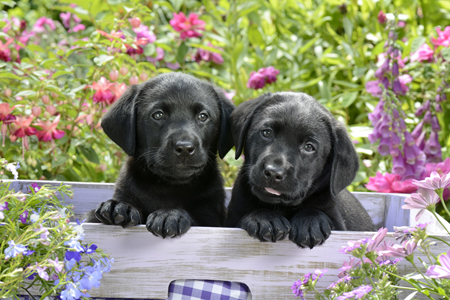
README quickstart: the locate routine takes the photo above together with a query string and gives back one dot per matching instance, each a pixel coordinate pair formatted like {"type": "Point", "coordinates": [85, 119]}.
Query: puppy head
{"type": "Point", "coordinates": [173, 124]}
{"type": "Point", "coordinates": [293, 148]}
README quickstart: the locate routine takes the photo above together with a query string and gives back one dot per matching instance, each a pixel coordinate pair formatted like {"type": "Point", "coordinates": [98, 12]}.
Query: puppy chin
{"type": "Point", "coordinates": [179, 174]}
{"type": "Point", "coordinates": [272, 196]}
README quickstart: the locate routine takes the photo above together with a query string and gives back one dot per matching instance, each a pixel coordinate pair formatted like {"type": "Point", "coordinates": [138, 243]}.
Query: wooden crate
{"type": "Point", "coordinates": [145, 265]}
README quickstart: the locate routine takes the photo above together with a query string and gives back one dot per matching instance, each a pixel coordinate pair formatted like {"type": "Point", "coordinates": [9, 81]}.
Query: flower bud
{"type": "Point", "coordinates": [51, 109]}
{"type": "Point", "coordinates": [114, 75]}
{"type": "Point", "coordinates": [435, 124]}
{"type": "Point", "coordinates": [36, 111]}
{"type": "Point", "coordinates": [417, 131]}
{"type": "Point", "coordinates": [438, 108]}
{"type": "Point", "coordinates": [134, 80]}
{"type": "Point", "coordinates": [143, 76]}
{"type": "Point", "coordinates": [382, 17]}
{"type": "Point", "coordinates": [123, 71]}
{"type": "Point", "coordinates": [395, 69]}
{"type": "Point", "coordinates": [8, 92]}
{"type": "Point", "coordinates": [427, 117]}
{"type": "Point", "coordinates": [135, 22]}
{"type": "Point", "coordinates": [45, 99]}
{"type": "Point", "coordinates": [396, 52]}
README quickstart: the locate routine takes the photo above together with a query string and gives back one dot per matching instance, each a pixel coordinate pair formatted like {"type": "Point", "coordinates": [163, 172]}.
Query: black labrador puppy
{"type": "Point", "coordinates": [298, 161]}
{"type": "Point", "coordinates": [171, 128]}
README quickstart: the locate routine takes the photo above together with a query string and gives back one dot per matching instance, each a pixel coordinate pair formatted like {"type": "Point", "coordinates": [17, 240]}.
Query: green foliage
{"type": "Point", "coordinates": [324, 48]}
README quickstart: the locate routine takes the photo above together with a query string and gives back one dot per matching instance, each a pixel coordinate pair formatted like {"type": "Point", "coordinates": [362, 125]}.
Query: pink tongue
{"type": "Point", "coordinates": [272, 191]}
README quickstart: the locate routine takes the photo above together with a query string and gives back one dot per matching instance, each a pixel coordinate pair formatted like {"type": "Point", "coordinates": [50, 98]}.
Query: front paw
{"type": "Point", "coordinates": [266, 226]}
{"type": "Point", "coordinates": [114, 212]}
{"type": "Point", "coordinates": [169, 222]}
{"type": "Point", "coordinates": [310, 227]}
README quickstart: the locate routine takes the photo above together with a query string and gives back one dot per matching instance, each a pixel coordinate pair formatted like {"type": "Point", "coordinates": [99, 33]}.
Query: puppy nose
{"type": "Point", "coordinates": [275, 173]}
{"type": "Point", "coordinates": [185, 148]}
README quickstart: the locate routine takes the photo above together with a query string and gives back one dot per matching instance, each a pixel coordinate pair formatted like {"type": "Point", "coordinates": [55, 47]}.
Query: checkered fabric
{"type": "Point", "coordinates": [208, 290]}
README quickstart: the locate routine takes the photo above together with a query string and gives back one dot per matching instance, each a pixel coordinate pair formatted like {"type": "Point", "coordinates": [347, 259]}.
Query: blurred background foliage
{"type": "Point", "coordinates": [326, 48]}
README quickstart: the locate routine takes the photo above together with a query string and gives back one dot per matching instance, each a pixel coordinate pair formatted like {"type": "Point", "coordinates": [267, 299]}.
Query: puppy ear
{"type": "Point", "coordinates": [242, 117]}
{"type": "Point", "coordinates": [226, 108]}
{"type": "Point", "coordinates": [119, 122]}
{"type": "Point", "coordinates": [345, 163]}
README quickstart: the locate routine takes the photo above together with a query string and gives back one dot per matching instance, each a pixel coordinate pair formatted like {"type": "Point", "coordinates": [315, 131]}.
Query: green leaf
{"type": "Point", "coordinates": [26, 93]}
{"type": "Point", "coordinates": [89, 153]}
{"type": "Point", "coordinates": [348, 27]}
{"type": "Point", "coordinates": [349, 98]}
{"type": "Point", "coordinates": [446, 54]}
{"type": "Point", "coordinates": [308, 45]}
{"type": "Point", "coordinates": [61, 73]}
{"type": "Point", "coordinates": [129, 32]}
{"type": "Point", "coordinates": [181, 53]}
{"type": "Point", "coordinates": [416, 43]}
{"type": "Point", "coordinates": [207, 48]}
{"type": "Point", "coordinates": [59, 161]}
{"type": "Point", "coordinates": [10, 76]}
{"type": "Point", "coordinates": [303, 85]}
{"type": "Point", "coordinates": [102, 59]}
{"type": "Point", "coordinates": [149, 49]}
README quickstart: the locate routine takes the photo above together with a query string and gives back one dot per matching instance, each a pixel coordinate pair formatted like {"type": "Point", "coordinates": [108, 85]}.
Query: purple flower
{"type": "Point", "coordinates": [404, 250]}
{"type": "Point", "coordinates": [442, 271]}
{"type": "Point", "coordinates": [208, 56]}
{"type": "Point", "coordinates": [435, 124]}
{"type": "Point", "coordinates": [417, 130]}
{"type": "Point", "coordinates": [3, 207]}
{"type": "Point", "coordinates": [23, 217]}
{"type": "Point", "coordinates": [41, 272]}
{"type": "Point", "coordinates": [65, 17]}
{"type": "Point", "coordinates": [90, 279]}
{"type": "Point", "coordinates": [173, 66]}
{"type": "Point", "coordinates": [434, 182]}
{"type": "Point", "coordinates": [56, 264]}
{"type": "Point", "coordinates": [357, 293]}
{"type": "Point", "coordinates": [39, 26]}
{"type": "Point", "coordinates": [432, 145]}
{"type": "Point", "coordinates": [90, 249]}
{"type": "Point", "coordinates": [397, 87]}
{"type": "Point", "coordinates": [14, 249]}
{"type": "Point", "coordinates": [143, 32]}
{"type": "Point", "coordinates": [35, 187]}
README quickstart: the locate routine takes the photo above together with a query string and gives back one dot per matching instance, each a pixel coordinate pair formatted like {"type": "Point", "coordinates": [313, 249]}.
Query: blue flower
{"type": "Point", "coordinates": [90, 280]}
{"type": "Point", "coordinates": [73, 255]}
{"type": "Point", "coordinates": [90, 249]}
{"type": "Point", "coordinates": [103, 264]}
{"type": "Point", "coordinates": [71, 292]}
{"type": "Point", "coordinates": [75, 244]}
{"type": "Point", "coordinates": [14, 249]}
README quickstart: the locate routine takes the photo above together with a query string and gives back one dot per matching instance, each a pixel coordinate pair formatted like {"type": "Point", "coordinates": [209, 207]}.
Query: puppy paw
{"type": "Point", "coordinates": [266, 226]}
{"type": "Point", "coordinates": [114, 212]}
{"type": "Point", "coordinates": [310, 228]}
{"type": "Point", "coordinates": [169, 222]}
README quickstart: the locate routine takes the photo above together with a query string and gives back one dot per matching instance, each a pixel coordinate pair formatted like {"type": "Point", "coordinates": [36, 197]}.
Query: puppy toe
{"type": "Point", "coordinates": [183, 226]}
{"type": "Point", "coordinates": [120, 214]}
{"type": "Point", "coordinates": [104, 212]}
{"type": "Point", "coordinates": [134, 217]}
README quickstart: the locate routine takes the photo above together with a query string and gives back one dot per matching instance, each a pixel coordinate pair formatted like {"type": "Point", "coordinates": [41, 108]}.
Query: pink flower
{"type": "Point", "coordinates": [159, 55]}
{"type": "Point", "coordinates": [143, 32]}
{"type": "Point", "coordinates": [23, 128]}
{"type": "Point", "coordinates": [103, 93]}
{"type": "Point", "coordinates": [382, 17]}
{"type": "Point", "coordinates": [49, 131]}
{"type": "Point", "coordinates": [404, 250]}
{"type": "Point", "coordinates": [259, 79]}
{"type": "Point", "coordinates": [424, 53]}
{"type": "Point", "coordinates": [65, 17]}
{"type": "Point", "coordinates": [188, 27]}
{"type": "Point", "coordinates": [434, 182]}
{"type": "Point", "coordinates": [443, 38]}
{"type": "Point", "coordinates": [377, 239]}
{"type": "Point", "coordinates": [442, 271]}
{"type": "Point", "coordinates": [390, 183]}
{"type": "Point", "coordinates": [422, 200]}
{"type": "Point", "coordinates": [173, 66]}
{"type": "Point", "coordinates": [117, 89]}
{"type": "Point", "coordinates": [373, 87]}
{"type": "Point", "coordinates": [39, 26]}
{"type": "Point", "coordinates": [5, 52]}
{"type": "Point", "coordinates": [208, 56]}
{"type": "Point", "coordinates": [58, 266]}
{"type": "Point", "coordinates": [404, 80]}
{"type": "Point", "coordinates": [77, 28]}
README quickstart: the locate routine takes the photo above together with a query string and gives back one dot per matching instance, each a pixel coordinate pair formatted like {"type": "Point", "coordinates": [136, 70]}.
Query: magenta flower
{"type": "Point", "coordinates": [5, 52]}
{"type": "Point", "coordinates": [382, 17]}
{"type": "Point", "coordinates": [404, 80]}
{"type": "Point", "coordinates": [442, 271]}
{"type": "Point", "coordinates": [390, 183]}
{"type": "Point", "coordinates": [49, 131]}
{"type": "Point", "coordinates": [142, 31]}
{"type": "Point", "coordinates": [424, 53]}
{"type": "Point", "coordinates": [443, 38]}
{"type": "Point", "coordinates": [188, 27]}
{"type": "Point", "coordinates": [39, 26]}
{"type": "Point", "coordinates": [65, 17]}
{"type": "Point", "coordinates": [78, 27]}
{"type": "Point", "coordinates": [264, 76]}
{"type": "Point", "coordinates": [208, 56]}
{"type": "Point", "coordinates": [424, 199]}
{"type": "Point", "coordinates": [103, 93]}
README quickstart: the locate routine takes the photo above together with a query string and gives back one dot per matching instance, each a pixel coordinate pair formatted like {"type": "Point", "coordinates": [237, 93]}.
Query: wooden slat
{"type": "Point", "coordinates": [145, 265]}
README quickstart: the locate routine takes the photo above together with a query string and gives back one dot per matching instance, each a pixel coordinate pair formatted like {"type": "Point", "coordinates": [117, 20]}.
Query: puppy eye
{"type": "Point", "coordinates": [309, 147]}
{"type": "Point", "coordinates": [158, 115]}
{"type": "Point", "coordinates": [267, 133]}
{"type": "Point", "coordinates": [202, 117]}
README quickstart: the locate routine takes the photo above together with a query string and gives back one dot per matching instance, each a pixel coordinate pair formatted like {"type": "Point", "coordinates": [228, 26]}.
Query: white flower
{"type": "Point", "coordinates": [14, 249]}
{"type": "Point", "coordinates": [12, 167]}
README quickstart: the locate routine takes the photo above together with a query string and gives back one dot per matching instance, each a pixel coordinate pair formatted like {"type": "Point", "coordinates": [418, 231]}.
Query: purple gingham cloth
{"type": "Point", "coordinates": [208, 290]}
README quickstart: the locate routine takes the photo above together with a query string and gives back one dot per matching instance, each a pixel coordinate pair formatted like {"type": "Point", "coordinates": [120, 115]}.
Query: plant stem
{"type": "Point", "coordinates": [439, 239]}
{"type": "Point", "coordinates": [440, 222]}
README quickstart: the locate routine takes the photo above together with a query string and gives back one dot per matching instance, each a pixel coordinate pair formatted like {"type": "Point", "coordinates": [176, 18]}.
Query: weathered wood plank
{"type": "Point", "coordinates": [145, 265]}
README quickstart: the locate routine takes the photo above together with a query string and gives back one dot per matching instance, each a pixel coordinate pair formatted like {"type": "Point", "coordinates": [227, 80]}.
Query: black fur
{"type": "Point", "coordinates": [298, 159]}
{"type": "Point", "coordinates": [171, 127]}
